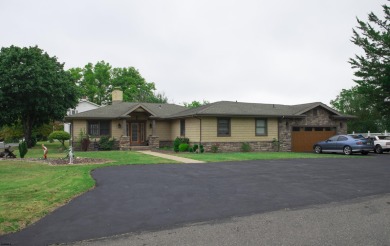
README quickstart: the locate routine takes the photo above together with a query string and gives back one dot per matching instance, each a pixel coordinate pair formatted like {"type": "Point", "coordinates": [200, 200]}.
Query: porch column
{"type": "Point", "coordinates": [124, 127]}
{"type": "Point", "coordinates": [153, 127]}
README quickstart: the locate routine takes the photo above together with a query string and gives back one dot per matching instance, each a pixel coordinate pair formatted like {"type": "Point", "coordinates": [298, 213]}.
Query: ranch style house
{"type": "Point", "coordinates": [266, 127]}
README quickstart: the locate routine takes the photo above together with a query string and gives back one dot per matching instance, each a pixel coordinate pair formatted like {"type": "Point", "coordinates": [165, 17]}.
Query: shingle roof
{"type": "Point", "coordinates": [252, 109]}
{"type": "Point", "coordinates": [222, 108]}
{"type": "Point", "coordinates": [122, 109]}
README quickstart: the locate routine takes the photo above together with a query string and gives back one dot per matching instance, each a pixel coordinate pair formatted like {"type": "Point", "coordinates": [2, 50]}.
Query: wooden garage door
{"type": "Point", "coordinates": [303, 138]}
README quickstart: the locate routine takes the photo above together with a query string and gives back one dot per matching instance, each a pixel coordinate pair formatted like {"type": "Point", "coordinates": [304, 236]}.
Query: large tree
{"type": "Point", "coordinates": [372, 69]}
{"type": "Point", "coordinates": [97, 81]}
{"type": "Point", "coordinates": [34, 88]}
{"type": "Point", "coordinates": [352, 102]}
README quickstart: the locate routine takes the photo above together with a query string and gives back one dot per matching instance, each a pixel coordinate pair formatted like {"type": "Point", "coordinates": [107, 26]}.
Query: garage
{"type": "Point", "coordinates": [303, 138]}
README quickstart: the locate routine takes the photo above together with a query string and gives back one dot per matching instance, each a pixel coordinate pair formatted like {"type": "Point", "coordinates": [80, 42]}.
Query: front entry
{"type": "Point", "coordinates": [137, 133]}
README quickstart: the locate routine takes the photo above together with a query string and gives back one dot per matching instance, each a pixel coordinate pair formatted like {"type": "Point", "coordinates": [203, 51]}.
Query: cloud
{"type": "Point", "coordinates": [286, 52]}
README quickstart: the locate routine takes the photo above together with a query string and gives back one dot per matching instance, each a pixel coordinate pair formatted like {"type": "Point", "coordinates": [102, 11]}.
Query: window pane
{"type": "Point", "coordinates": [93, 129]}
{"type": "Point", "coordinates": [223, 126]}
{"type": "Point", "coordinates": [104, 128]}
{"type": "Point", "coordinates": [182, 127]}
{"type": "Point", "coordinates": [260, 131]}
{"type": "Point", "coordinates": [261, 127]}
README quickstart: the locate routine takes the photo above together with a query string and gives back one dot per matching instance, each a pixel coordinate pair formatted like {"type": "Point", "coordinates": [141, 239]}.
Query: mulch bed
{"type": "Point", "coordinates": [77, 160]}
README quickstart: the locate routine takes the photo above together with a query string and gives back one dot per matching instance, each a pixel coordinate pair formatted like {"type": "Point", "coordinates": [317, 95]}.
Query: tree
{"type": "Point", "coordinates": [97, 81]}
{"type": "Point", "coordinates": [373, 68]}
{"type": "Point", "coordinates": [352, 102]}
{"type": "Point", "coordinates": [61, 136]}
{"type": "Point", "coordinates": [34, 88]}
{"type": "Point", "coordinates": [195, 104]}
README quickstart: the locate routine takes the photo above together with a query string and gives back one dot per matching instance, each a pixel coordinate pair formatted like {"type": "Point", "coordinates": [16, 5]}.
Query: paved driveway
{"type": "Point", "coordinates": [154, 197]}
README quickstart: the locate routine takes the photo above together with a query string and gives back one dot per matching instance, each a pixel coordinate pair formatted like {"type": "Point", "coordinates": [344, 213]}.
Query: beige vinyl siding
{"type": "Point", "coordinates": [175, 129]}
{"type": "Point", "coordinates": [77, 126]}
{"type": "Point", "coordinates": [192, 129]}
{"type": "Point", "coordinates": [115, 131]}
{"type": "Point", "coordinates": [163, 130]}
{"type": "Point", "coordinates": [242, 129]}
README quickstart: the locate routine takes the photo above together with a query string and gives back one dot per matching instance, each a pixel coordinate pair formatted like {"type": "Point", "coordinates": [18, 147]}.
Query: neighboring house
{"type": "Point", "coordinates": [82, 106]}
{"type": "Point", "coordinates": [266, 127]}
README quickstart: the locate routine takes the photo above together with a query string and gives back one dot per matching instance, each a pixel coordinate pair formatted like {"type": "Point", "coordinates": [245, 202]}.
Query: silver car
{"type": "Point", "coordinates": [346, 144]}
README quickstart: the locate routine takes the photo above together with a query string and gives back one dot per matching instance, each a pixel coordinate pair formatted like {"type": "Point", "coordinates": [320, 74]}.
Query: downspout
{"type": "Point", "coordinates": [200, 130]}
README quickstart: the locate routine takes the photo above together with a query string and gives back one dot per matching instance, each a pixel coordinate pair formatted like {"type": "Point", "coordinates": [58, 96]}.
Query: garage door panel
{"type": "Point", "coordinates": [302, 141]}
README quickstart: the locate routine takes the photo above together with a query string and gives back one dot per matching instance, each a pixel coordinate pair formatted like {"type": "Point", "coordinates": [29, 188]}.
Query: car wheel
{"type": "Point", "coordinates": [364, 152]}
{"type": "Point", "coordinates": [318, 149]}
{"type": "Point", "coordinates": [347, 150]}
{"type": "Point", "coordinates": [378, 149]}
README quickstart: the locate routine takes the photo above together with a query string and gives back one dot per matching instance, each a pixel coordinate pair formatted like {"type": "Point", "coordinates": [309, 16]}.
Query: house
{"type": "Point", "coordinates": [82, 106]}
{"type": "Point", "coordinates": [226, 124]}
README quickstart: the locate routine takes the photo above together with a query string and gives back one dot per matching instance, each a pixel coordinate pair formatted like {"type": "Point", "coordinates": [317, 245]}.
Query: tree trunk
{"type": "Point", "coordinates": [27, 131]}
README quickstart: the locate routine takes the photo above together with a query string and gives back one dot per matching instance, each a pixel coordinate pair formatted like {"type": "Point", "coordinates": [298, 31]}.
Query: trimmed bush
{"type": "Point", "coordinates": [196, 147]}
{"type": "Point", "coordinates": [23, 149]}
{"type": "Point", "coordinates": [61, 136]}
{"type": "Point", "coordinates": [183, 147]}
{"type": "Point", "coordinates": [179, 141]}
{"type": "Point", "coordinates": [201, 148]}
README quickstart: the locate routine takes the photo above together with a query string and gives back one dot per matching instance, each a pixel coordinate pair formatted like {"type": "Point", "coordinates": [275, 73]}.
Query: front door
{"type": "Point", "coordinates": [137, 133]}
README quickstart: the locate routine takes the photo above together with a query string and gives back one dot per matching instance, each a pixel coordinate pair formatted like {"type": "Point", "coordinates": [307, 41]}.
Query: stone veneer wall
{"type": "Point", "coordinates": [322, 119]}
{"type": "Point", "coordinates": [263, 146]}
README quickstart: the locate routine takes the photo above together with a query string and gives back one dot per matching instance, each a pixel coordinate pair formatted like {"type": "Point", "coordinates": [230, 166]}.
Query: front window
{"type": "Point", "coordinates": [261, 127]}
{"type": "Point", "coordinates": [223, 127]}
{"type": "Point", "coordinates": [99, 128]}
{"type": "Point", "coordinates": [182, 127]}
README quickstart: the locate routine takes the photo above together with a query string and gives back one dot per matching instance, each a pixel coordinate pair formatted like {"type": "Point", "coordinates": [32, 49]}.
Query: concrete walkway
{"type": "Point", "coordinates": [170, 157]}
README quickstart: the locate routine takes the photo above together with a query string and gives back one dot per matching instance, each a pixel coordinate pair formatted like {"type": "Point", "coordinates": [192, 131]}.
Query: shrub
{"type": "Point", "coordinates": [201, 148]}
{"type": "Point", "coordinates": [23, 149]}
{"type": "Point", "coordinates": [191, 150]}
{"type": "Point", "coordinates": [61, 136]}
{"type": "Point", "coordinates": [183, 147]}
{"type": "Point", "coordinates": [245, 147]}
{"type": "Point", "coordinates": [179, 141]}
{"type": "Point", "coordinates": [105, 143]}
{"type": "Point", "coordinates": [214, 148]}
{"type": "Point", "coordinates": [196, 147]}
{"type": "Point", "coordinates": [83, 140]}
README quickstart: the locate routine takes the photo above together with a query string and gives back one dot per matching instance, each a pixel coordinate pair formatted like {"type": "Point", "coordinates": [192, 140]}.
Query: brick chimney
{"type": "Point", "coordinates": [117, 95]}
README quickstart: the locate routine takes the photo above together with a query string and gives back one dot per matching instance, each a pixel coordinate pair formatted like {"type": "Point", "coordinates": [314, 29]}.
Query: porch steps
{"type": "Point", "coordinates": [139, 148]}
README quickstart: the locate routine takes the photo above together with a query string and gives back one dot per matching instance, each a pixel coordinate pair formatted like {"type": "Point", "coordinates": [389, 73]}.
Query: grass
{"type": "Point", "coordinates": [30, 190]}
{"type": "Point", "coordinates": [241, 156]}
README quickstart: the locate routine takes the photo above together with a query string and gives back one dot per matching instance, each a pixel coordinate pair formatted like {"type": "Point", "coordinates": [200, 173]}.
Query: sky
{"type": "Point", "coordinates": [260, 51]}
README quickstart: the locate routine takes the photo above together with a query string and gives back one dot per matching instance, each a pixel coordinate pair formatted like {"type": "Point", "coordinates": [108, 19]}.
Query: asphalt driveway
{"type": "Point", "coordinates": [153, 197]}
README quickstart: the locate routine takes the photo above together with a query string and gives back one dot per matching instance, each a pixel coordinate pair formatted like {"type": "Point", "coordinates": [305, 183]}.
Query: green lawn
{"type": "Point", "coordinates": [241, 156]}
{"type": "Point", "coordinates": [30, 190]}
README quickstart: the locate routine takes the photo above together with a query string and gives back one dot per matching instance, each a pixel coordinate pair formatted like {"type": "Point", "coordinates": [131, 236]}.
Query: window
{"type": "Point", "coordinates": [99, 128]}
{"type": "Point", "coordinates": [342, 138]}
{"type": "Point", "coordinates": [223, 127]}
{"type": "Point", "coordinates": [261, 127]}
{"type": "Point", "coordinates": [182, 127]}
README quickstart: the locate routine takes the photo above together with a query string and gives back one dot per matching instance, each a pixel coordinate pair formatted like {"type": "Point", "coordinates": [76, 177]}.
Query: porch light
{"type": "Point", "coordinates": [119, 125]}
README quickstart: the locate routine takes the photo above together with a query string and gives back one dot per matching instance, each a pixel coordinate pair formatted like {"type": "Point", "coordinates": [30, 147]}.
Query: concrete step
{"type": "Point", "coordinates": [139, 148]}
